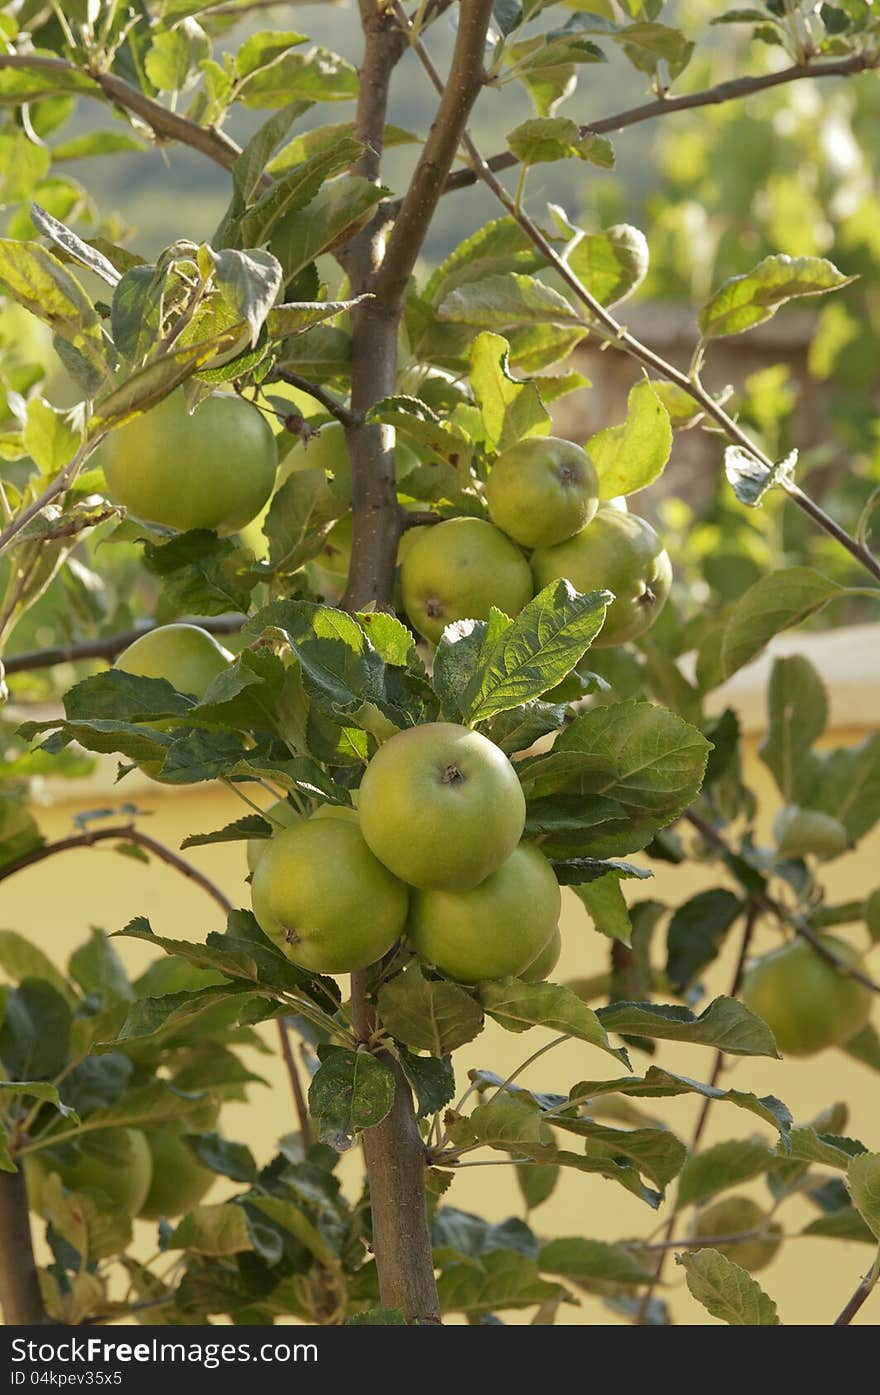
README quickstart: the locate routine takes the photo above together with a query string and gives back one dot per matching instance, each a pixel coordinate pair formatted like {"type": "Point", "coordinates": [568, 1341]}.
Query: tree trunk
{"type": "Point", "coordinates": [20, 1296]}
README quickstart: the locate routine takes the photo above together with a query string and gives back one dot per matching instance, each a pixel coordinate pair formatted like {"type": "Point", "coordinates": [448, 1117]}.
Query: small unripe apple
{"type": "Point", "coordinates": [807, 1003]}
{"type": "Point", "coordinates": [619, 552]}
{"type": "Point", "coordinates": [494, 930]}
{"type": "Point", "coordinates": [458, 570]}
{"type": "Point", "coordinates": [542, 491]}
{"type": "Point", "coordinates": [325, 900]}
{"type": "Point", "coordinates": [441, 806]}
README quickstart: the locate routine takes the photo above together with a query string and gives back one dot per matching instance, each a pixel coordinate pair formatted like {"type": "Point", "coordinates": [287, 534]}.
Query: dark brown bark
{"type": "Point", "coordinates": [394, 1152]}
{"type": "Point", "coordinates": [20, 1297]}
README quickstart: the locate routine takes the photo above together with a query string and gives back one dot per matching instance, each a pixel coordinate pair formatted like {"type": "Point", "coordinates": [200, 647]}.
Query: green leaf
{"type": "Point", "coordinates": [19, 959]}
{"type": "Point", "coordinates": [542, 645]}
{"type": "Point", "coordinates": [435, 436]}
{"type": "Point", "coordinates": [301, 514]}
{"type": "Point", "coordinates": [233, 1160]}
{"type": "Point", "coordinates": [124, 697]}
{"type": "Point", "coordinates": [514, 1125]}
{"type": "Point", "coordinates": [657, 1153]}
{"type": "Point", "coordinates": [174, 56]}
{"type": "Point", "coordinates": [35, 277]}
{"type": "Point", "coordinates": [250, 282]}
{"type": "Point", "coordinates": [826, 1149]}
{"type": "Point", "coordinates": [428, 1014]}
{"type": "Point", "coordinates": [632, 456]}
{"type": "Point", "coordinates": [50, 437]}
{"type": "Point", "coordinates": [546, 139]}
{"type": "Point", "coordinates": [658, 1083]}
{"type": "Point", "coordinates": [646, 44]}
{"type": "Point", "coordinates": [726, 1291]}
{"type": "Point", "coordinates": [315, 76]}
{"type": "Point", "coordinates": [296, 188]}
{"type": "Point", "coordinates": [35, 1030]}
{"type": "Point", "coordinates": [38, 1090]}
{"type": "Point", "coordinates": [537, 1182]}
{"type": "Point", "coordinates": [201, 573]}
{"type": "Point", "coordinates": [863, 1184]}
{"type": "Point", "coordinates": [504, 1279]}
{"type": "Point", "coordinates": [517, 1006]}
{"type": "Point", "coordinates": [432, 1080]}
{"type": "Point", "coordinates": [587, 1261]}
{"type": "Point", "coordinates": [510, 409]}
{"type": "Point", "coordinates": [334, 214]}
{"type": "Point", "coordinates": [744, 301]}
{"type": "Point", "coordinates": [24, 84]}
{"type": "Point", "coordinates": [149, 385]}
{"type": "Point", "coordinates": [720, 1167]}
{"type": "Point", "coordinates": [774, 603]}
{"type": "Point", "coordinates": [497, 247]}
{"type": "Point", "coordinates": [797, 706]}
{"type": "Point", "coordinates": [847, 786]}
{"type": "Point", "coordinates": [352, 1090]}
{"type": "Point", "coordinates": [99, 971]}
{"type": "Point", "coordinates": [297, 316]}
{"type": "Point", "coordinates": [725, 1025]}
{"type": "Point", "coordinates": [645, 758]}
{"type": "Point", "coordinates": [309, 143]}
{"type": "Point", "coordinates": [500, 302]}
{"type": "Point", "coordinates": [212, 1230]}
{"type": "Point", "coordinates": [696, 933]}
{"type": "Point", "coordinates": [88, 255]}
{"type": "Point", "coordinates": [611, 264]}
{"type": "Point", "coordinates": [751, 478]}
{"type": "Point", "coordinates": [605, 905]}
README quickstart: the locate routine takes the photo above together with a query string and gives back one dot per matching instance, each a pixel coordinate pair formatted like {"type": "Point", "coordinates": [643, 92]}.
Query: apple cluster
{"type": "Point", "coordinates": [543, 498]}
{"type": "Point", "coordinates": [433, 852]}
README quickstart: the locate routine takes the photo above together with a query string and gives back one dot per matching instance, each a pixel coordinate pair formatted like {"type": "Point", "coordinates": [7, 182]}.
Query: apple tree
{"type": "Point", "coordinates": [457, 678]}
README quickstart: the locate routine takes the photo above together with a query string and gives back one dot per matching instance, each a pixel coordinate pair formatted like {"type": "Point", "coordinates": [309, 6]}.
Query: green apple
{"type": "Point", "coordinates": [544, 963]}
{"type": "Point", "coordinates": [494, 930]}
{"type": "Point", "coordinates": [807, 1003]}
{"type": "Point", "coordinates": [542, 491]}
{"type": "Point", "coordinates": [804, 832]}
{"type": "Point", "coordinates": [458, 570]}
{"type": "Point", "coordinates": [441, 806]}
{"type": "Point", "coordinates": [118, 1164]}
{"type": "Point", "coordinates": [325, 900]}
{"type": "Point", "coordinates": [212, 469]}
{"type": "Point", "coordinates": [731, 1216]}
{"type": "Point", "coordinates": [619, 552]}
{"type": "Point", "coordinates": [281, 813]}
{"type": "Point", "coordinates": [179, 1180]}
{"type": "Point", "coordinates": [186, 656]}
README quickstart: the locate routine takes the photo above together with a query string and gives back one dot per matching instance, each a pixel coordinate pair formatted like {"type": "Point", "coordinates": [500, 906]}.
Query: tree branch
{"type": "Point", "coordinates": [734, 90]}
{"type": "Point", "coordinates": [166, 125]}
{"type": "Point", "coordinates": [862, 1293]}
{"type": "Point", "coordinates": [299, 1099]}
{"type": "Point", "coordinates": [768, 905]}
{"type": "Point", "coordinates": [703, 1116]}
{"type": "Point", "coordinates": [110, 646]}
{"type": "Point", "coordinates": [126, 833]}
{"type": "Point", "coordinates": [457, 97]}
{"type": "Point", "coordinates": [20, 1297]}
{"type": "Point", "coordinates": [320, 394]}
{"type": "Point", "coordinates": [621, 337]}
{"type": "Point", "coordinates": [59, 484]}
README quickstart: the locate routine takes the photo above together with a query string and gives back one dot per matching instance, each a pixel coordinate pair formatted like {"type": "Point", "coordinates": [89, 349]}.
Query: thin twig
{"type": "Point", "coordinates": [167, 126]}
{"type": "Point", "coordinates": [702, 1119]}
{"type": "Point", "coordinates": [770, 906]}
{"type": "Point", "coordinates": [734, 90]}
{"type": "Point", "coordinates": [627, 342]}
{"type": "Point", "coordinates": [862, 1293]}
{"type": "Point", "coordinates": [327, 400]}
{"type": "Point", "coordinates": [299, 1099]}
{"type": "Point", "coordinates": [58, 485]}
{"type": "Point", "coordinates": [419, 518]}
{"type": "Point", "coordinates": [109, 646]}
{"type": "Point", "coordinates": [126, 833]}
